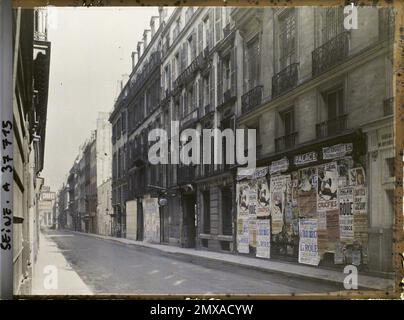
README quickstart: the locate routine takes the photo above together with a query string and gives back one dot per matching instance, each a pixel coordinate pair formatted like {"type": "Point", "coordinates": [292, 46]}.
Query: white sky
{"type": "Point", "coordinates": [91, 50]}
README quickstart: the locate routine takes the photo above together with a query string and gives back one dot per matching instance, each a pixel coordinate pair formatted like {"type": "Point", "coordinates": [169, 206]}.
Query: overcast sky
{"type": "Point", "coordinates": [91, 50]}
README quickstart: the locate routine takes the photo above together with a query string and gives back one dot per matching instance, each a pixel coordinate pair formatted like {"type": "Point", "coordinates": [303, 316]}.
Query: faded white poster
{"type": "Point", "coordinates": [346, 213]}
{"type": "Point", "coordinates": [151, 220]}
{"type": "Point", "coordinates": [308, 250]}
{"type": "Point", "coordinates": [263, 238]}
{"type": "Point", "coordinates": [242, 236]}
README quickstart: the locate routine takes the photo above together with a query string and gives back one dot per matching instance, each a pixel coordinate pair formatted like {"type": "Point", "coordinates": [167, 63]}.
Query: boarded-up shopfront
{"type": "Point", "coordinates": [312, 206]}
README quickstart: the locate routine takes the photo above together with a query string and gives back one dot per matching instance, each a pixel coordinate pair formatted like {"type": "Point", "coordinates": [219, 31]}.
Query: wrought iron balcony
{"type": "Point", "coordinates": [251, 99]}
{"type": "Point", "coordinates": [187, 73]}
{"type": "Point", "coordinates": [226, 31]}
{"type": "Point", "coordinates": [330, 54]}
{"type": "Point", "coordinates": [176, 32]}
{"type": "Point", "coordinates": [388, 107]}
{"type": "Point", "coordinates": [204, 111]}
{"type": "Point", "coordinates": [285, 80]}
{"type": "Point", "coordinates": [331, 127]}
{"type": "Point", "coordinates": [190, 119]}
{"type": "Point", "coordinates": [285, 142]}
{"type": "Point", "coordinates": [139, 155]}
{"type": "Point", "coordinates": [186, 174]}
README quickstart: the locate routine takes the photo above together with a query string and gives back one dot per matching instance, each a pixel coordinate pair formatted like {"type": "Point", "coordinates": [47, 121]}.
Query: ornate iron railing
{"type": "Point", "coordinates": [330, 53]}
{"type": "Point", "coordinates": [331, 127]}
{"type": "Point", "coordinates": [285, 142]}
{"type": "Point", "coordinates": [285, 80]}
{"type": "Point", "coordinates": [251, 99]}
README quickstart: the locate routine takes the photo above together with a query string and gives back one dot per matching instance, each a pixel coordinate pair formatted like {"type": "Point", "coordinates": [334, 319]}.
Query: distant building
{"type": "Point", "coordinates": [46, 204]}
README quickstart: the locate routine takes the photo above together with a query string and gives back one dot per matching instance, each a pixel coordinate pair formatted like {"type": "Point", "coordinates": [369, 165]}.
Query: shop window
{"type": "Point", "coordinates": [227, 225]}
{"type": "Point", "coordinates": [206, 212]}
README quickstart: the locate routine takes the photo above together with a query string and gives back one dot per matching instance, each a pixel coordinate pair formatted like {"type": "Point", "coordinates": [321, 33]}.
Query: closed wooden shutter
{"type": "Point", "coordinates": [200, 82]}
{"type": "Point", "coordinates": [200, 37]}
{"type": "Point", "coordinates": [233, 74]}
{"type": "Point", "coordinates": [212, 87]}
{"type": "Point", "coordinates": [219, 82]}
{"type": "Point", "coordinates": [218, 23]}
{"type": "Point", "coordinates": [211, 28]}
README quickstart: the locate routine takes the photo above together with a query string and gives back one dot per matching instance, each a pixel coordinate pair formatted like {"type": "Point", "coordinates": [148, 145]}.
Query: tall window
{"type": "Point", "coordinates": [253, 55]}
{"type": "Point", "coordinates": [332, 23]}
{"type": "Point", "coordinates": [218, 23]}
{"type": "Point", "coordinates": [335, 103]}
{"type": "Point", "coordinates": [287, 38]}
{"type": "Point", "coordinates": [288, 122]}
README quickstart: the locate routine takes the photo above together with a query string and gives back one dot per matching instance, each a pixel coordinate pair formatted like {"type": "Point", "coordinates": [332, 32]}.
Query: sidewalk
{"type": "Point", "coordinates": [302, 271]}
{"type": "Point", "coordinates": [67, 280]}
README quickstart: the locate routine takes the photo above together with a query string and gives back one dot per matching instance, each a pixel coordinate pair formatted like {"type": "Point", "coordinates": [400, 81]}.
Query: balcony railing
{"type": "Point", "coordinates": [190, 118]}
{"type": "Point", "coordinates": [187, 73]}
{"type": "Point", "coordinates": [330, 54]}
{"type": "Point", "coordinates": [176, 32]}
{"type": "Point", "coordinates": [331, 127]}
{"type": "Point", "coordinates": [251, 99]}
{"type": "Point", "coordinates": [285, 142]}
{"type": "Point", "coordinates": [226, 31]}
{"type": "Point", "coordinates": [204, 111]}
{"type": "Point", "coordinates": [139, 155]}
{"type": "Point", "coordinates": [285, 80]}
{"type": "Point", "coordinates": [388, 107]}
{"type": "Point", "coordinates": [186, 174]}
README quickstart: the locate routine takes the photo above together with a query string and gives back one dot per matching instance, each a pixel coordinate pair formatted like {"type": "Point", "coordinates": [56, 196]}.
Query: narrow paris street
{"type": "Point", "coordinates": [107, 267]}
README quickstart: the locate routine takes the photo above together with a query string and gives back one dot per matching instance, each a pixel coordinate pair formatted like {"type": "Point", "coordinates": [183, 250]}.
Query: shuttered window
{"type": "Point", "coordinates": [287, 38]}
{"type": "Point", "coordinates": [253, 63]}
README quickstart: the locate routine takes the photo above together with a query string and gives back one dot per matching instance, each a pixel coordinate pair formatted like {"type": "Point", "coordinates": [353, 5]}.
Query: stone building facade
{"type": "Point", "coordinates": [319, 97]}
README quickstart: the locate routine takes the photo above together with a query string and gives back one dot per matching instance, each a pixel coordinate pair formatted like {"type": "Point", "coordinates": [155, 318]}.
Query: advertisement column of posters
{"type": "Point", "coordinates": [278, 189]}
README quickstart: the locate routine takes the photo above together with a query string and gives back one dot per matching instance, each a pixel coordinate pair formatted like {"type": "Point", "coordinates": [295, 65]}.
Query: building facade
{"type": "Point", "coordinates": [319, 98]}
{"type": "Point", "coordinates": [31, 59]}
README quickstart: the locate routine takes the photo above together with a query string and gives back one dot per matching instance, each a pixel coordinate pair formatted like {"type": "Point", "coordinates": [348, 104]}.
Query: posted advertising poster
{"type": "Point", "coordinates": [327, 195]}
{"type": "Point", "coordinates": [307, 192]}
{"type": "Point", "coordinates": [357, 176]}
{"type": "Point", "coordinates": [242, 236]}
{"type": "Point", "coordinates": [359, 200]}
{"type": "Point", "coordinates": [252, 231]}
{"type": "Point", "coordinates": [344, 167]}
{"type": "Point", "coordinates": [242, 190]}
{"type": "Point", "coordinates": [278, 190]}
{"type": "Point", "coordinates": [263, 238]}
{"type": "Point", "coordinates": [346, 213]}
{"type": "Point", "coordinates": [252, 197]}
{"type": "Point", "coordinates": [151, 220]}
{"type": "Point", "coordinates": [308, 250]}
{"type": "Point", "coordinates": [263, 208]}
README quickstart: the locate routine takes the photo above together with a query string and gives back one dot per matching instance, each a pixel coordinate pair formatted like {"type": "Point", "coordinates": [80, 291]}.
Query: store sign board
{"type": "Point", "coordinates": [337, 151]}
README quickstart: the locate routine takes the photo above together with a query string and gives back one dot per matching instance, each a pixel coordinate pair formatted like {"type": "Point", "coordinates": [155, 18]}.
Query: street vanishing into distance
{"type": "Point", "coordinates": [107, 267]}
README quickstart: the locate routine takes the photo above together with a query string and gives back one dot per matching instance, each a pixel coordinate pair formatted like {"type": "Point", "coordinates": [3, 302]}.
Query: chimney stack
{"type": "Point", "coordinates": [134, 59]}
{"type": "Point", "coordinates": [162, 14]}
{"type": "Point", "coordinates": [139, 49]}
{"type": "Point", "coordinates": [153, 25]}
{"type": "Point", "coordinates": [145, 38]}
